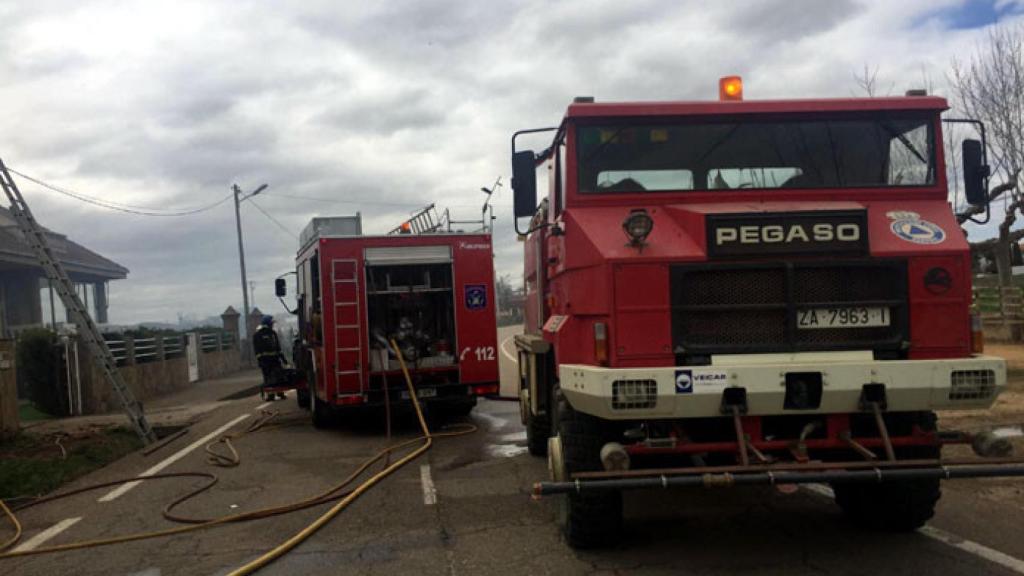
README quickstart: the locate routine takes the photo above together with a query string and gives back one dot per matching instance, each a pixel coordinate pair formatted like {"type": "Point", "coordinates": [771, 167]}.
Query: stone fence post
{"type": "Point", "coordinates": [8, 391]}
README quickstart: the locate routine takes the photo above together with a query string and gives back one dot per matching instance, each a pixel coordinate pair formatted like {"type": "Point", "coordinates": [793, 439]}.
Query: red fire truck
{"type": "Point", "coordinates": [749, 292]}
{"type": "Point", "coordinates": [432, 293]}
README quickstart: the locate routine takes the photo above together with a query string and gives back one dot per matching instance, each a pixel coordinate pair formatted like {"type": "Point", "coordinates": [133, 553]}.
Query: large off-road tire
{"type": "Point", "coordinates": [321, 414]}
{"type": "Point", "coordinates": [592, 520]}
{"type": "Point", "coordinates": [538, 429]}
{"type": "Point", "coordinates": [895, 506]}
{"type": "Point", "coordinates": [302, 398]}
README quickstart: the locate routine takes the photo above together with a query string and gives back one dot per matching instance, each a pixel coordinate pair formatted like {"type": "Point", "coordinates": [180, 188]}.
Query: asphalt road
{"type": "Point", "coordinates": [464, 508]}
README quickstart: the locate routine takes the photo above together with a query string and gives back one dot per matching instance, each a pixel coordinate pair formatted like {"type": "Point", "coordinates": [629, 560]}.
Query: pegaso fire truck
{"type": "Point", "coordinates": [743, 292]}
{"type": "Point", "coordinates": [431, 293]}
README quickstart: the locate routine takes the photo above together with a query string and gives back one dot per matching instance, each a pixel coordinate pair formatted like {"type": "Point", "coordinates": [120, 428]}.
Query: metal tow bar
{"type": "Point", "coordinates": [770, 477]}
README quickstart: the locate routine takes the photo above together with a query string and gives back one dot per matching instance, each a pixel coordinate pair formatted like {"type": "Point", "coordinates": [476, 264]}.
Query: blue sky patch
{"type": "Point", "coordinates": [975, 13]}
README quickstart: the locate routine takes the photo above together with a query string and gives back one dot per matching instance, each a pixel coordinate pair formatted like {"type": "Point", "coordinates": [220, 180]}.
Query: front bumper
{"type": "Point", "coordinates": [696, 391]}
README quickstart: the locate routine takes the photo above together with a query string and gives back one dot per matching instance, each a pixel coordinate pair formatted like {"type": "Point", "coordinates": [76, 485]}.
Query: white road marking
{"type": "Point", "coordinates": [41, 538]}
{"type": "Point", "coordinates": [429, 491]}
{"type": "Point", "coordinates": [505, 350]}
{"type": "Point", "coordinates": [262, 406]}
{"type": "Point", "coordinates": [994, 556]}
{"type": "Point", "coordinates": [124, 488]}
{"type": "Point", "coordinates": [969, 546]}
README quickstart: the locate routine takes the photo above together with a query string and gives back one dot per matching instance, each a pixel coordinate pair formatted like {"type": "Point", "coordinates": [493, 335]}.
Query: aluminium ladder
{"type": "Point", "coordinates": [87, 329]}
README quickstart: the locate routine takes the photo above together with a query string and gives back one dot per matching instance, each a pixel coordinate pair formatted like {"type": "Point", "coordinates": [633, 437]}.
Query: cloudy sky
{"type": "Point", "coordinates": [380, 107]}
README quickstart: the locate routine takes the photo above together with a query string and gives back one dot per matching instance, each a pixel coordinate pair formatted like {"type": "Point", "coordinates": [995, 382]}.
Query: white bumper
{"type": "Point", "coordinates": [696, 391]}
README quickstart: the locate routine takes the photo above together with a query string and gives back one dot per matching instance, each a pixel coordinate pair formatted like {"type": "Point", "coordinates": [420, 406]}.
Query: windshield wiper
{"type": "Point", "coordinates": [902, 137]}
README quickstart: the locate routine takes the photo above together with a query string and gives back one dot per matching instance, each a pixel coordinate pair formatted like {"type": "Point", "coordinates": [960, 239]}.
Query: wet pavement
{"type": "Point", "coordinates": [465, 508]}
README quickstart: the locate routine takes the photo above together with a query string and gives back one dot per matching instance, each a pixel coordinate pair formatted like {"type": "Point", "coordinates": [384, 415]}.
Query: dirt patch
{"type": "Point", "coordinates": [37, 464]}
{"type": "Point", "coordinates": [1013, 353]}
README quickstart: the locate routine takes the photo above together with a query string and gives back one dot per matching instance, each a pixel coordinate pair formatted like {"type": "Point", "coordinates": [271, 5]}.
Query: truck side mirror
{"type": "Point", "coordinates": [280, 288]}
{"type": "Point", "coordinates": [975, 173]}
{"type": "Point", "coordinates": [524, 183]}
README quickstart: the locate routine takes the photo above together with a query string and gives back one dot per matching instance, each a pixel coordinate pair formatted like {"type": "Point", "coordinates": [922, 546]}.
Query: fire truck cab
{"type": "Point", "coordinates": [432, 294]}
{"type": "Point", "coordinates": [724, 292]}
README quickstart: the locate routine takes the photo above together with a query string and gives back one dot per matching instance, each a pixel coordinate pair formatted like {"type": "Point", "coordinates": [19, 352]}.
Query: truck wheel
{"type": "Point", "coordinates": [591, 520]}
{"type": "Point", "coordinates": [538, 429]}
{"type": "Point", "coordinates": [895, 506]}
{"type": "Point", "coordinates": [320, 412]}
{"type": "Point", "coordinates": [302, 398]}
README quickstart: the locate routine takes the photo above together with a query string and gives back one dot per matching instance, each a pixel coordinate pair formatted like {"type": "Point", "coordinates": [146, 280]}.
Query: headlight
{"type": "Point", "coordinates": [638, 226]}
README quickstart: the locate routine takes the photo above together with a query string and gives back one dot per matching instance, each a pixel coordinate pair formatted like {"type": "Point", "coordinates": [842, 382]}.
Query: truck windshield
{"type": "Point", "coordinates": [854, 153]}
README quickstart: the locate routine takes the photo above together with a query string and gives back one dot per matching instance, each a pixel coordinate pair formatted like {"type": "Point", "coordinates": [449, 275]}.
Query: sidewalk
{"type": "Point", "coordinates": [178, 408]}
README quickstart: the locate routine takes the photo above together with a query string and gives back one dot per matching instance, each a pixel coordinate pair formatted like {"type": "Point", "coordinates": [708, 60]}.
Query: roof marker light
{"type": "Point", "coordinates": [730, 88]}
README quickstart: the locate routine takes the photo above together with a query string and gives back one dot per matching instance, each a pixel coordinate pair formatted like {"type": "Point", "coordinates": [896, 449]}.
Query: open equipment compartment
{"type": "Point", "coordinates": [412, 302]}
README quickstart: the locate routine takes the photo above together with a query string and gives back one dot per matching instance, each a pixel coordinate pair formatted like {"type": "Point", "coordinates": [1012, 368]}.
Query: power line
{"type": "Point", "coordinates": [367, 202]}
{"type": "Point", "coordinates": [272, 219]}
{"type": "Point", "coordinates": [334, 201]}
{"type": "Point", "coordinates": [127, 208]}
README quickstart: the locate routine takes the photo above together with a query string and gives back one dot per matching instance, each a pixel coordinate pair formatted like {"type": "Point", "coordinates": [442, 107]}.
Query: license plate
{"type": "Point", "coordinates": [421, 393]}
{"type": "Point", "coordinates": [846, 317]}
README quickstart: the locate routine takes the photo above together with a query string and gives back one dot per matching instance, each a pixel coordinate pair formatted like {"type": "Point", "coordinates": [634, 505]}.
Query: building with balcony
{"type": "Point", "coordinates": [26, 297]}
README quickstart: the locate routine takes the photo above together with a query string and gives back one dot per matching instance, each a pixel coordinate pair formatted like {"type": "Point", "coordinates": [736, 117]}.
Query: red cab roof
{"type": "Point", "coordinates": [700, 108]}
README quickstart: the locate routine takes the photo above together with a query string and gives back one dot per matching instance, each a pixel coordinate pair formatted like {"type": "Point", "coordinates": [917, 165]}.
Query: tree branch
{"type": "Point", "coordinates": [988, 245]}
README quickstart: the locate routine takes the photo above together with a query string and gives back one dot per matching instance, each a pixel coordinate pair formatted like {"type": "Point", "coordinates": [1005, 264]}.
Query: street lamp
{"type": "Point", "coordinates": [239, 198]}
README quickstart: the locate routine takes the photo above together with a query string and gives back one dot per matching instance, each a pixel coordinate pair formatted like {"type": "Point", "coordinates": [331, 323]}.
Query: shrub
{"type": "Point", "coordinates": [39, 362]}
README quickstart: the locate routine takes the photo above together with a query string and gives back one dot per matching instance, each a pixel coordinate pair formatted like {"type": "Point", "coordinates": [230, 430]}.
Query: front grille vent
{"type": "Point", "coordinates": [634, 394]}
{"type": "Point", "coordinates": [755, 308]}
{"type": "Point", "coordinates": [972, 384]}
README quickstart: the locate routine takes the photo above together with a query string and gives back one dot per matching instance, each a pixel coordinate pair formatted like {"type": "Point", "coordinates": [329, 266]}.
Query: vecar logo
{"type": "Point", "coordinates": [684, 381]}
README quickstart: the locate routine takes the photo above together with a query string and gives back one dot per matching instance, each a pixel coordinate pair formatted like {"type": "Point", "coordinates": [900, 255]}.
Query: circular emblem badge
{"type": "Point", "coordinates": [918, 231]}
{"type": "Point", "coordinates": [938, 281]}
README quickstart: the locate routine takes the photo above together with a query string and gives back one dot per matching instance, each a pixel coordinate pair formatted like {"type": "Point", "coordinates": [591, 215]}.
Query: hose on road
{"type": "Point", "coordinates": [302, 535]}
{"type": "Point", "coordinates": [217, 458]}
{"type": "Point", "coordinates": [17, 526]}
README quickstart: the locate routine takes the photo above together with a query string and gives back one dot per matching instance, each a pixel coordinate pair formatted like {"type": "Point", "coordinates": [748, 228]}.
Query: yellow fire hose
{"type": "Point", "coordinates": [302, 535]}
{"type": "Point", "coordinates": [17, 526]}
{"type": "Point", "coordinates": [216, 458]}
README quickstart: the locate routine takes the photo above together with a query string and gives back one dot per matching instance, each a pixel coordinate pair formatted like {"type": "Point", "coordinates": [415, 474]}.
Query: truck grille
{"type": "Point", "coordinates": [750, 308]}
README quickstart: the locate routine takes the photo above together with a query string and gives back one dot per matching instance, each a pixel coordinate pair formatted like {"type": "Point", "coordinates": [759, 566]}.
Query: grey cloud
{"type": "Point", "coordinates": [409, 109]}
{"type": "Point", "coordinates": [389, 105]}
{"type": "Point", "coordinates": [788, 20]}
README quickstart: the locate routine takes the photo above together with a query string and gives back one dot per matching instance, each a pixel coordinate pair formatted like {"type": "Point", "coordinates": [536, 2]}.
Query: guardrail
{"type": "Point", "coordinates": [174, 346]}
{"type": "Point", "coordinates": [118, 349]}
{"type": "Point", "coordinates": [146, 350]}
{"type": "Point", "coordinates": [128, 350]}
{"type": "Point", "coordinates": [1000, 304]}
{"type": "Point", "coordinates": [209, 342]}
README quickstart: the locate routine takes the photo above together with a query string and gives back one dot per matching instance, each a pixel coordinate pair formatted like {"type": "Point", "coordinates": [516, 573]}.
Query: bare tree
{"type": "Point", "coordinates": [867, 81]}
{"type": "Point", "coordinates": [990, 87]}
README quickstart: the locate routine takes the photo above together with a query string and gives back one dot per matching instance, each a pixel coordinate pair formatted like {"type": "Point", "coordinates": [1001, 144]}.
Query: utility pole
{"type": "Point", "coordinates": [239, 198]}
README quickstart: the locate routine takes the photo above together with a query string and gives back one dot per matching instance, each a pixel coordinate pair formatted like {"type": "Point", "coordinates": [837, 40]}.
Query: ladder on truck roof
{"type": "Point", "coordinates": [87, 329]}
{"type": "Point", "coordinates": [425, 221]}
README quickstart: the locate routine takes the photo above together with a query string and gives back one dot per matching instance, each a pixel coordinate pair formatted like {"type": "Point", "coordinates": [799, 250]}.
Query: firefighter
{"type": "Point", "coordinates": [268, 353]}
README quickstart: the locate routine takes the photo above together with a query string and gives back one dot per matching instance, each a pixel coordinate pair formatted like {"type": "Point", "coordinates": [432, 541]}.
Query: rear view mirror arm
{"type": "Point", "coordinates": [968, 215]}
{"type": "Point", "coordinates": [283, 303]}
{"type": "Point", "coordinates": [538, 159]}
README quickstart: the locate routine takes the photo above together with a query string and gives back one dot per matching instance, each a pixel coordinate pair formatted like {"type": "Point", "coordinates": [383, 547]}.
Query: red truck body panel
{"type": "Point", "coordinates": [589, 273]}
{"type": "Point", "coordinates": [343, 365]}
